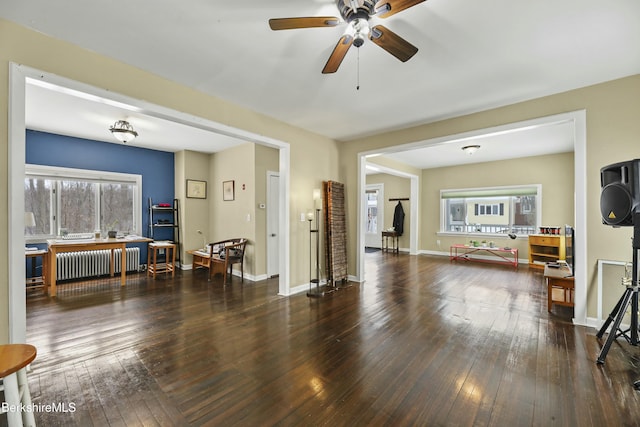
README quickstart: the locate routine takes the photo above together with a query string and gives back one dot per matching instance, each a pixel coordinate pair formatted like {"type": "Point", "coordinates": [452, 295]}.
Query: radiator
{"type": "Point", "coordinates": [76, 265]}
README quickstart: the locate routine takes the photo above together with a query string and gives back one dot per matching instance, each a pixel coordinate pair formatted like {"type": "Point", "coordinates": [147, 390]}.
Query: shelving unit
{"type": "Point", "coordinates": [544, 248]}
{"type": "Point", "coordinates": [164, 223]}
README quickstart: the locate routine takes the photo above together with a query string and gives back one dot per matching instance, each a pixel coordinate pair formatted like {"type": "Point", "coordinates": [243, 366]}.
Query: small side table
{"type": "Point", "coordinates": [560, 286]}
{"type": "Point", "coordinates": [169, 264]}
{"type": "Point", "coordinates": [35, 282]}
{"type": "Point", "coordinates": [394, 241]}
{"type": "Point", "coordinates": [200, 258]}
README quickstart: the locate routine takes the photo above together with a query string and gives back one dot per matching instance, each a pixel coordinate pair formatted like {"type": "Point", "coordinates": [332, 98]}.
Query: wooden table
{"type": "Point", "coordinates": [394, 241]}
{"type": "Point", "coordinates": [560, 286]}
{"type": "Point", "coordinates": [503, 255]}
{"type": "Point", "coordinates": [203, 259]}
{"type": "Point", "coordinates": [58, 246]}
{"type": "Point", "coordinates": [200, 258]}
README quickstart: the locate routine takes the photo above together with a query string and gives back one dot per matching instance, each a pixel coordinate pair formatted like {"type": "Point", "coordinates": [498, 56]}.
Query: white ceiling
{"type": "Point", "coordinates": [557, 137]}
{"type": "Point", "coordinates": [473, 55]}
{"type": "Point", "coordinates": [56, 110]}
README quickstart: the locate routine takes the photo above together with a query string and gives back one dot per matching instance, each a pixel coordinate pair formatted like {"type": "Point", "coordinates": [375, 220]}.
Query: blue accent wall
{"type": "Point", "coordinates": [156, 167]}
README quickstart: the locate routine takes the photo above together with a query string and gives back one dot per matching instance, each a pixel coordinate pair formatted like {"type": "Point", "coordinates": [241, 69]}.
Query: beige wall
{"type": "Point", "coordinates": [302, 198]}
{"type": "Point", "coordinates": [194, 213]}
{"type": "Point", "coordinates": [313, 158]}
{"type": "Point", "coordinates": [612, 111]}
{"type": "Point", "coordinates": [234, 218]}
{"type": "Point", "coordinates": [395, 187]}
{"type": "Point", "coordinates": [218, 219]}
{"type": "Point", "coordinates": [553, 172]}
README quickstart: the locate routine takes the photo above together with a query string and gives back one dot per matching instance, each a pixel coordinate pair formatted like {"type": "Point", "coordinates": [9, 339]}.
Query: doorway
{"type": "Point", "coordinates": [20, 77]}
{"type": "Point", "coordinates": [577, 119]}
{"type": "Point", "coordinates": [374, 215]}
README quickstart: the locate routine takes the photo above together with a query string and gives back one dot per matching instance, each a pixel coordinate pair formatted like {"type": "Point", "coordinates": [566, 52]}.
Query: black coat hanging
{"type": "Point", "coordinates": [398, 219]}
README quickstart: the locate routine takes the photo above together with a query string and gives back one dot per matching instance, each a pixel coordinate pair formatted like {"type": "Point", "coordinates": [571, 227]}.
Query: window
{"type": "Point", "coordinates": [496, 210]}
{"type": "Point", "coordinates": [484, 209]}
{"type": "Point", "coordinates": [81, 201]}
{"type": "Point", "coordinates": [372, 211]}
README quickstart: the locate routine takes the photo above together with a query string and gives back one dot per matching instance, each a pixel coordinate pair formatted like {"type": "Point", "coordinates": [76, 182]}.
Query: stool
{"type": "Point", "coordinates": [153, 266]}
{"type": "Point", "coordinates": [34, 281]}
{"type": "Point", "coordinates": [13, 361]}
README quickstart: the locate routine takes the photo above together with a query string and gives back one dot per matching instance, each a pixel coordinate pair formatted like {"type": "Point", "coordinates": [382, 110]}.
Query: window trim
{"type": "Point", "coordinates": [495, 191]}
{"type": "Point", "coordinates": [62, 173]}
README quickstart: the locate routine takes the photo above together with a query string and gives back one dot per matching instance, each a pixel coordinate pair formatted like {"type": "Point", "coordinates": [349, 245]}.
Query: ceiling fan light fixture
{"type": "Point", "coordinates": [123, 131]}
{"type": "Point", "coordinates": [470, 149]}
{"type": "Point", "coordinates": [357, 14]}
{"type": "Point", "coordinates": [359, 30]}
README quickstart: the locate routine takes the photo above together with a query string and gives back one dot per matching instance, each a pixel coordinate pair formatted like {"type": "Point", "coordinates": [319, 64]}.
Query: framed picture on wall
{"type": "Point", "coordinates": [196, 189]}
{"type": "Point", "coordinates": [228, 190]}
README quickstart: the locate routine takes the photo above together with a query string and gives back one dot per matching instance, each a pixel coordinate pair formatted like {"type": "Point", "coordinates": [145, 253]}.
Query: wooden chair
{"type": "Point", "coordinates": [224, 254]}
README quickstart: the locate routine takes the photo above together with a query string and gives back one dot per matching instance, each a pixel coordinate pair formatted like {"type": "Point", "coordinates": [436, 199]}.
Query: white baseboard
{"type": "Point", "coordinates": [437, 253]}
{"type": "Point", "coordinates": [235, 272]}
{"type": "Point", "coordinates": [299, 289]}
{"type": "Point", "coordinates": [305, 287]}
{"type": "Point", "coordinates": [595, 323]}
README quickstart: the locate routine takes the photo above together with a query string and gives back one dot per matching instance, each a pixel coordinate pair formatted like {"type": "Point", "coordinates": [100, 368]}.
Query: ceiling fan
{"type": "Point", "coordinates": [357, 14]}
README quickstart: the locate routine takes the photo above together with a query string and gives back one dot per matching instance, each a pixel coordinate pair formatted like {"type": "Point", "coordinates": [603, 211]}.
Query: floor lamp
{"type": "Point", "coordinates": [315, 291]}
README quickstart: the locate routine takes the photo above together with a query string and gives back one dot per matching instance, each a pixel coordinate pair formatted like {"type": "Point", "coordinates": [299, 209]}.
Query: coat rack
{"type": "Point", "coordinates": [399, 199]}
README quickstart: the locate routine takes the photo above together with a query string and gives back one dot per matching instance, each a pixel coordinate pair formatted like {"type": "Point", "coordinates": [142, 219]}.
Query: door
{"type": "Point", "coordinates": [273, 216]}
{"type": "Point", "coordinates": [374, 215]}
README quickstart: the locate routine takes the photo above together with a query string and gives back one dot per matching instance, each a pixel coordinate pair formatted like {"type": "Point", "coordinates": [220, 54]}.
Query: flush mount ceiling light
{"type": "Point", "coordinates": [470, 149]}
{"type": "Point", "coordinates": [123, 131]}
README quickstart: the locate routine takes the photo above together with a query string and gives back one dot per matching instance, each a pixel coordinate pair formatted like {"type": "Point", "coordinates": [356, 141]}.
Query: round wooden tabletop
{"type": "Point", "coordinates": [14, 357]}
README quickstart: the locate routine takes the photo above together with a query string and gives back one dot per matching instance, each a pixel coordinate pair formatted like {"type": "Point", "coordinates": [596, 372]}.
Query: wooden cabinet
{"type": "Point", "coordinates": [544, 248]}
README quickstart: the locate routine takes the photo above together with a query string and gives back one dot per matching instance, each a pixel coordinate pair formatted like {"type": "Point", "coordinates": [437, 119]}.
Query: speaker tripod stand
{"type": "Point", "coordinates": [630, 296]}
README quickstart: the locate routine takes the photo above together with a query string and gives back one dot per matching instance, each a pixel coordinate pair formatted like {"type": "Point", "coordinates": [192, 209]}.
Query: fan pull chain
{"type": "Point", "coordinates": [358, 72]}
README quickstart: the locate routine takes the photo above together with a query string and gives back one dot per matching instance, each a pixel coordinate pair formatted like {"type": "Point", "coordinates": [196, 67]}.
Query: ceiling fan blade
{"type": "Point", "coordinates": [305, 22]}
{"type": "Point", "coordinates": [392, 43]}
{"type": "Point", "coordinates": [386, 8]}
{"type": "Point", "coordinates": [338, 54]}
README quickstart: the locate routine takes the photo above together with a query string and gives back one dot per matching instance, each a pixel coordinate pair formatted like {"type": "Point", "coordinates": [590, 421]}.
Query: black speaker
{"type": "Point", "coordinates": [620, 198]}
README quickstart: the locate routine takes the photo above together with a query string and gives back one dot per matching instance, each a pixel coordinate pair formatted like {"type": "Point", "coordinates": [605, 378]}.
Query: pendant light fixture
{"type": "Point", "coordinates": [123, 131]}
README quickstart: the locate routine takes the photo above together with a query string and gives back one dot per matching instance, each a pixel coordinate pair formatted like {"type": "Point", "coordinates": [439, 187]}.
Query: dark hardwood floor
{"type": "Point", "coordinates": [422, 342]}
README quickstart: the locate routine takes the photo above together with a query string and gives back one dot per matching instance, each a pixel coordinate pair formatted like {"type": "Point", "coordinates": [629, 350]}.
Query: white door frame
{"type": "Point", "coordinates": [579, 121]}
{"type": "Point", "coordinates": [19, 77]}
